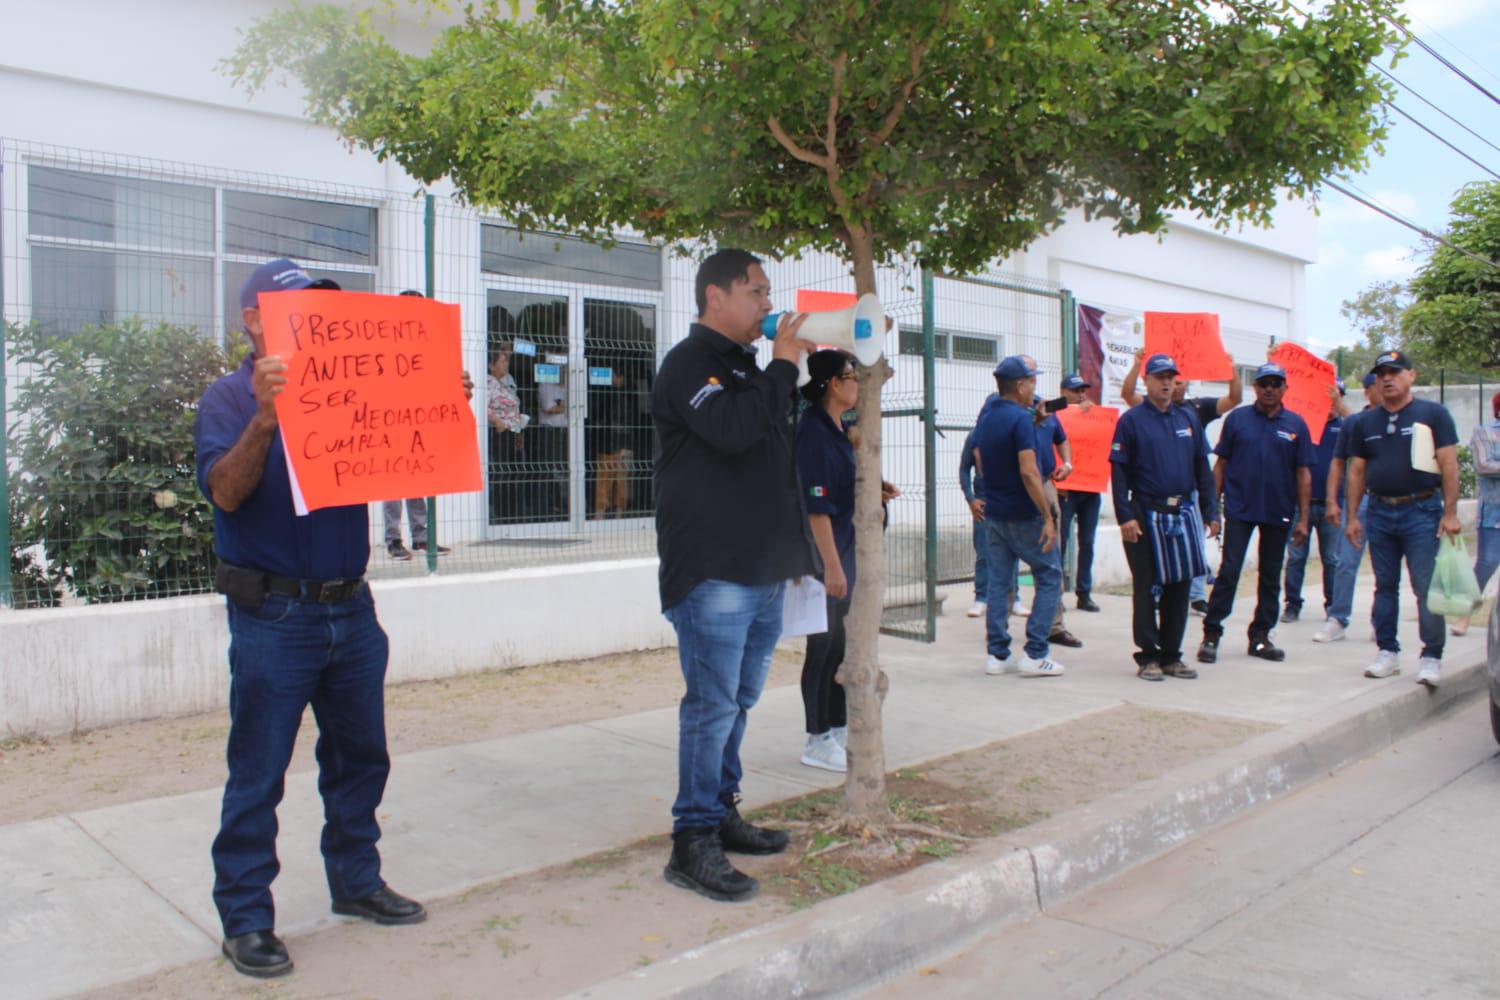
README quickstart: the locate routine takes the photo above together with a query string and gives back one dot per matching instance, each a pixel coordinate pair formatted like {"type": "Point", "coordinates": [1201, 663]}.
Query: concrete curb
{"type": "Point", "coordinates": [878, 932]}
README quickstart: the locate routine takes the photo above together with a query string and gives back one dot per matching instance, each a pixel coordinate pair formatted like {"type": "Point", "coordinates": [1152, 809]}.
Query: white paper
{"type": "Point", "coordinates": [1423, 451]}
{"type": "Point", "coordinates": [299, 502]}
{"type": "Point", "coordinates": [804, 611]}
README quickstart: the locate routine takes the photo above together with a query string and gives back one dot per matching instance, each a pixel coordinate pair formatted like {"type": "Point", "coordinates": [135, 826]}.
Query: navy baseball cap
{"type": "Point", "coordinates": [279, 275]}
{"type": "Point", "coordinates": [1073, 380]}
{"type": "Point", "coordinates": [1159, 363]}
{"type": "Point", "coordinates": [1369, 379]}
{"type": "Point", "coordinates": [1391, 359]}
{"type": "Point", "coordinates": [1270, 370]}
{"type": "Point", "coordinates": [1015, 366]}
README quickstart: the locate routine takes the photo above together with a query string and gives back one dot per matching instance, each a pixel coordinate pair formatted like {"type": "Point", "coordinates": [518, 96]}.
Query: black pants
{"type": "Point", "coordinates": [1268, 593]}
{"type": "Point", "coordinates": [822, 696]}
{"type": "Point", "coordinates": [1157, 625]}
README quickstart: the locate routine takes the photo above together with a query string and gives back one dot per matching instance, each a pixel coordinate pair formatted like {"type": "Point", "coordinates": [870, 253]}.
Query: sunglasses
{"type": "Point", "coordinates": [1390, 426]}
{"type": "Point", "coordinates": [1270, 383]}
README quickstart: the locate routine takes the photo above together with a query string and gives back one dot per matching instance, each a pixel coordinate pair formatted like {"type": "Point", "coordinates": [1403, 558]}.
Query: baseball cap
{"type": "Point", "coordinates": [1159, 363]}
{"type": "Point", "coordinates": [1369, 379]}
{"type": "Point", "coordinates": [279, 275]}
{"type": "Point", "coordinates": [1391, 359]}
{"type": "Point", "coordinates": [1014, 366]}
{"type": "Point", "coordinates": [1073, 380]}
{"type": "Point", "coordinates": [1270, 370]}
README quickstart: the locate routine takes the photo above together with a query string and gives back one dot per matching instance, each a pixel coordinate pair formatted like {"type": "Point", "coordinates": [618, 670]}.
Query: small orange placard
{"type": "Point", "coordinates": [1192, 339]}
{"type": "Point", "coordinates": [812, 300]}
{"type": "Point", "coordinates": [374, 407]}
{"type": "Point", "coordinates": [1090, 434]}
{"type": "Point", "coordinates": [1308, 379]}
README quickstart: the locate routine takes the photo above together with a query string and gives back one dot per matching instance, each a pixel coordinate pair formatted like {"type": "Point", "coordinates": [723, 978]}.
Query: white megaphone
{"type": "Point", "coordinates": [860, 330]}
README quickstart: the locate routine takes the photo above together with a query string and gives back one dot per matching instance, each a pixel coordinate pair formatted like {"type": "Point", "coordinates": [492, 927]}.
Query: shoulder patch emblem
{"type": "Point", "coordinates": [711, 387]}
{"type": "Point", "coordinates": [816, 491]}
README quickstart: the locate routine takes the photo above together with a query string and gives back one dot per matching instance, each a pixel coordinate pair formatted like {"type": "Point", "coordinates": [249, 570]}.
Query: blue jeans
{"type": "Point", "coordinates": [1489, 555]}
{"type": "Point", "coordinates": [1328, 550]}
{"type": "Point", "coordinates": [726, 633]}
{"type": "Point", "coordinates": [1342, 606]}
{"type": "Point", "coordinates": [1009, 541]}
{"type": "Point", "coordinates": [283, 656]}
{"type": "Point", "coordinates": [1409, 530]}
{"type": "Point", "coordinates": [1084, 507]}
{"type": "Point", "coordinates": [981, 563]}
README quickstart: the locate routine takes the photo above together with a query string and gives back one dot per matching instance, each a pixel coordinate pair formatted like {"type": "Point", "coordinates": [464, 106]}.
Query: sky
{"type": "Point", "coordinates": [1416, 176]}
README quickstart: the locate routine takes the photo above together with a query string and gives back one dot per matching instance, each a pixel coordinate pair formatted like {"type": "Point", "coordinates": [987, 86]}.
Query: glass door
{"type": "Point", "coordinates": [530, 427]}
{"type": "Point", "coordinates": [619, 444]}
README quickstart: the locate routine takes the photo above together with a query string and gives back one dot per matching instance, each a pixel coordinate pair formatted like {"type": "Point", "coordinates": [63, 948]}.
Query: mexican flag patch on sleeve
{"type": "Point", "coordinates": [816, 491]}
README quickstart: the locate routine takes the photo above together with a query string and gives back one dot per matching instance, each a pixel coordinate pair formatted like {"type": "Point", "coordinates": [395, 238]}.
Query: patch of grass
{"type": "Point", "coordinates": [809, 807]}
{"type": "Point", "coordinates": [910, 810]}
{"type": "Point", "coordinates": [835, 879]}
{"type": "Point", "coordinates": [938, 849]}
{"type": "Point", "coordinates": [17, 741]}
{"type": "Point", "coordinates": [498, 922]}
{"type": "Point", "coordinates": [820, 840]}
{"type": "Point", "coordinates": [509, 948]}
{"type": "Point", "coordinates": [1031, 783]}
{"type": "Point", "coordinates": [909, 774]}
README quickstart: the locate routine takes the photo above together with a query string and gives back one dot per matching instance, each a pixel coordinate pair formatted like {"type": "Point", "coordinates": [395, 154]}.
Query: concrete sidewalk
{"type": "Point", "coordinates": [107, 895]}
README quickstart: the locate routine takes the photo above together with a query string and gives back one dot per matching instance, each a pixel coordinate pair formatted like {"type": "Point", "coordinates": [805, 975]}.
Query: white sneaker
{"type": "Point", "coordinates": [1387, 664]}
{"type": "Point", "coordinates": [994, 666]}
{"type": "Point", "coordinates": [1429, 672]}
{"type": "Point", "coordinates": [1040, 668]}
{"type": "Point", "coordinates": [977, 609]}
{"type": "Point", "coordinates": [1019, 610]}
{"type": "Point", "coordinates": [823, 751]}
{"type": "Point", "coordinates": [1331, 631]}
{"type": "Point", "coordinates": [840, 736]}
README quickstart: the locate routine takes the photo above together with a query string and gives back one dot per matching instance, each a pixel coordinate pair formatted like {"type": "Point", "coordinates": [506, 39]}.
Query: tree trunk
{"type": "Point", "coordinates": [865, 684]}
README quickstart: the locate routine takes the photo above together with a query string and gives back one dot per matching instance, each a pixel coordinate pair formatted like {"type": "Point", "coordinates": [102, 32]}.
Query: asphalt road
{"type": "Point", "coordinates": [1381, 881]}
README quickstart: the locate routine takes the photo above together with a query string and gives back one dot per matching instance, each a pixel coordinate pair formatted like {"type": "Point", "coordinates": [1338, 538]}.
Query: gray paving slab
{"type": "Point", "coordinates": [72, 917]}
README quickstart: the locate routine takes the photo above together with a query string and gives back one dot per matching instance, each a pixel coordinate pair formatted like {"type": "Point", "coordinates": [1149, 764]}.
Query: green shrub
{"type": "Point", "coordinates": [101, 431]}
{"type": "Point", "coordinates": [1468, 482]}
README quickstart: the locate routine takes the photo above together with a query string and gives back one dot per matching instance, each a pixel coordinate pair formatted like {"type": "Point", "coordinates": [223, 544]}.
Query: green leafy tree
{"type": "Point", "coordinates": [102, 438]}
{"type": "Point", "coordinates": [1455, 314]}
{"type": "Point", "coordinates": [954, 131]}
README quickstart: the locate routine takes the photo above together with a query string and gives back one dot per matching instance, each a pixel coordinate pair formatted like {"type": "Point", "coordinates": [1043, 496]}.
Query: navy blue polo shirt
{"type": "Point", "coordinates": [1383, 440]}
{"type": "Point", "coordinates": [1206, 407]}
{"type": "Point", "coordinates": [1005, 430]}
{"type": "Point", "coordinates": [825, 465]}
{"type": "Point", "coordinates": [265, 533]}
{"type": "Point", "coordinates": [1048, 434]}
{"type": "Point", "coordinates": [1323, 455]}
{"type": "Point", "coordinates": [1263, 454]}
{"type": "Point", "coordinates": [1161, 452]}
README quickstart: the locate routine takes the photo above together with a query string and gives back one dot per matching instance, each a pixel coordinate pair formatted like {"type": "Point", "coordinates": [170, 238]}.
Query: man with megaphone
{"type": "Point", "coordinates": [731, 529]}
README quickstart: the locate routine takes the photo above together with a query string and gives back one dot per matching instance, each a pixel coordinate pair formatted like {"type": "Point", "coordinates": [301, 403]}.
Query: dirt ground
{"type": "Point", "coordinates": [146, 760]}
{"type": "Point", "coordinates": [563, 928]}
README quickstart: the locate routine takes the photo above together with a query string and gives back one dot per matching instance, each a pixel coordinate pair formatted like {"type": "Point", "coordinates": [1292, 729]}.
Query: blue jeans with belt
{"type": "Point", "coordinates": [1409, 531]}
{"type": "Point", "coordinates": [283, 656]}
{"type": "Point", "coordinates": [1328, 551]}
{"type": "Point", "coordinates": [1009, 541]}
{"type": "Point", "coordinates": [726, 633]}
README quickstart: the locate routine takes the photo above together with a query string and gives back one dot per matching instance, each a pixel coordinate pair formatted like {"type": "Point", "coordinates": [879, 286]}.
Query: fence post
{"type": "Point", "coordinates": [929, 452]}
{"type": "Point", "coordinates": [429, 228]}
{"type": "Point", "coordinates": [1069, 306]}
{"type": "Point", "coordinates": [6, 599]}
{"type": "Point", "coordinates": [1443, 386]}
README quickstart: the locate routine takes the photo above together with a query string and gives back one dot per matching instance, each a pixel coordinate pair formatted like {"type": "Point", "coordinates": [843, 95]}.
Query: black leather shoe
{"type": "Point", "coordinates": [259, 953]}
{"type": "Point", "coordinates": [1263, 649]}
{"type": "Point", "coordinates": [698, 863]}
{"type": "Point", "coordinates": [383, 907]}
{"type": "Point", "coordinates": [1291, 614]}
{"type": "Point", "coordinates": [741, 837]}
{"type": "Point", "coordinates": [1199, 607]}
{"type": "Point", "coordinates": [1062, 637]}
{"type": "Point", "coordinates": [1086, 603]}
{"type": "Point", "coordinates": [1179, 670]}
{"type": "Point", "coordinates": [1209, 651]}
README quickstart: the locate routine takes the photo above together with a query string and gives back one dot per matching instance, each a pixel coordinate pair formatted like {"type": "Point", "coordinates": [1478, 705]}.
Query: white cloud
{"type": "Point", "coordinates": [1441, 14]}
{"type": "Point", "coordinates": [1336, 209]}
{"type": "Point", "coordinates": [1332, 254]}
{"type": "Point", "coordinates": [1393, 262]}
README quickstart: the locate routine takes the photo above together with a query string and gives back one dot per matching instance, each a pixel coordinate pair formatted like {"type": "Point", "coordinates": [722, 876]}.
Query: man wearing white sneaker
{"type": "Point", "coordinates": [1341, 606]}
{"type": "Point", "coordinates": [1404, 452]}
{"type": "Point", "coordinates": [1018, 518]}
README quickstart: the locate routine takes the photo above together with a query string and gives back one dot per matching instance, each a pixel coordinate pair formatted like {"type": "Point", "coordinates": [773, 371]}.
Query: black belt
{"type": "Point", "coordinates": [320, 591]}
{"type": "Point", "coordinates": [1170, 504]}
{"type": "Point", "coordinates": [1404, 498]}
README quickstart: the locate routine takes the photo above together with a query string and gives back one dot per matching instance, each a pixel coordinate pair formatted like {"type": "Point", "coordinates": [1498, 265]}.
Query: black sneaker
{"type": "Point", "coordinates": [698, 863]}
{"type": "Point", "coordinates": [1209, 651]}
{"type": "Point", "coordinates": [1179, 670]}
{"type": "Point", "coordinates": [1086, 603]}
{"type": "Point", "coordinates": [398, 552]}
{"type": "Point", "coordinates": [1062, 637]}
{"type": "Point", "coordinates": [743, 838]}
{"type": "Point", "coordinates": [1262, 648]}
{"type": "Point", "coordinates": [1291, 614]}
{"type": "Point", "coordinates": [441, 550]}
{"type": "Point", "coordinates": [1149, 672]}
{"type": "Point", "coordinates": [1199, 607]}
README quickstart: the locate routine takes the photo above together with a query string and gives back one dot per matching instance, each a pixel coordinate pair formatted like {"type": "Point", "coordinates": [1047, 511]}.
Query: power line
{"type": "Point", "coordinates": [1409, 117]}
{"type": "Point", "coordinates": [1441, 58]}
{"type": "Point", "coordinates": [1412, 91]}
{"type": "Point", "coordinates": [1433, 32]}
{"type": "Point", "coordinates": [1426, 233]}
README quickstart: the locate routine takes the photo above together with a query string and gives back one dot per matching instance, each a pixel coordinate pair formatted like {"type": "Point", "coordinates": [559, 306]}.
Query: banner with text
{"type": "Point", "coordinates": [1107, 342]}
{"type": "Point", "coordinates": [374, 407]}
{"type": "Point", "coordinates": [1090, 434]}
{"type": "Point", "coordinates": [1308, 381]}
{"type": "Point", "coordinates": [1192, 339]}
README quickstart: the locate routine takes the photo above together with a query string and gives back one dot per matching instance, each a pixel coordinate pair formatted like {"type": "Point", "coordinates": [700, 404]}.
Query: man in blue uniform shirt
{"type": "Point", "coordinates": [1019, 520]}
{"type": "Point", "coordinates": [1327, 533]}
{"type": "Point", "coordinates": [1263, 473]}
{"type": "Point", "coordinates": [1391, 453]}
{"type": "Point", "coordinates": [302, 630]}
{"type": "Point", "coordinates": [1158, 467]}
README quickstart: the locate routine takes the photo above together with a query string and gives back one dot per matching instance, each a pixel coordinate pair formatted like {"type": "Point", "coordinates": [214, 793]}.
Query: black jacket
{"type": "Point", "coordinates": [727, 502]}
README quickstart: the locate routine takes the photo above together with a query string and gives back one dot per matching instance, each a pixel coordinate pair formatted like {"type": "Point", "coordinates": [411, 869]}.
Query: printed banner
{"type": "Point", "coordinates": [374, 405]}
{"type": "Point", "coordinates": [1308, 379]}
{"type": "Point", "coordinates": [1090, 435]}
{"type": "Point", "coordinates": [1192, 339]}
{"type": "Point", "coordinates": [1107, 342]}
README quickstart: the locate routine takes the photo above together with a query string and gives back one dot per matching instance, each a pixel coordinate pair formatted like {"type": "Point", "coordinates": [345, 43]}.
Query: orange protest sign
{"type": "Point", "coordinates": [1090, 435]}
{"type": "Point", "coordinates": [1308, 379]}
{"type": "Point", "coordinates": [1192, 339]}
{"type": "Point", "coordinates": [811, 300]}
{"type": "Point", "coordinates": [374, 407]}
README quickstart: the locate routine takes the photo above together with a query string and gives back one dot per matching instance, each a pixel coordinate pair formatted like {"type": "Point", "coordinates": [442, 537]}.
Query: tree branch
{"type": "Point", "coordinates": [790, 145]}
{"type": "Point", "coordinates": [893, 118]}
